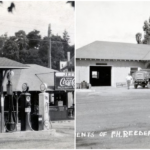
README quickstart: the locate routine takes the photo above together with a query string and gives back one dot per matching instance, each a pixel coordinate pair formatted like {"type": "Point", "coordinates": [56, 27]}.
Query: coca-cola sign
{"type": "Point", "coordinates": [63, 82]}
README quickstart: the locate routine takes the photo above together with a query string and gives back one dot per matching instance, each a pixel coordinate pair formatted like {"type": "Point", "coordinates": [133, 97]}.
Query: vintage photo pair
{"type": "Point", "coordinates": [61, 91]}
{"type": "Point", "coordinates": [112, 74]}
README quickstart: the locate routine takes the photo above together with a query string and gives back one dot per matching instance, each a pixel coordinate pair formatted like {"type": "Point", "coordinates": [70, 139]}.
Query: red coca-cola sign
{"type": "Point", "coordinates": [63, 82]}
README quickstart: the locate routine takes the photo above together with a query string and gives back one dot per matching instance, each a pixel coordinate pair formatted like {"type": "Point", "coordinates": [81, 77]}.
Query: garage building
{"type": "Point", "coordinates": [108, 63]}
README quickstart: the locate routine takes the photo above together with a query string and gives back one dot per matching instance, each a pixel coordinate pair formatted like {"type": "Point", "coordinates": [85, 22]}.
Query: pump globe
{"type": "Point", "coordinates": [25, 87]}
{"type": "Point", "coordinates": [43, 87]}
{"type": "Point", "coordinates": [11, 73]}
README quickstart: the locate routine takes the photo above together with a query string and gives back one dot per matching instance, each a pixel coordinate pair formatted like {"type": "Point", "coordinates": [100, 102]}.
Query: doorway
{"type": "Point", "coordinates": [100, 75]}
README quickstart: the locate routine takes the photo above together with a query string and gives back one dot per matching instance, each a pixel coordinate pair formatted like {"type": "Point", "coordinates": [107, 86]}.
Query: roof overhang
{"type": "Point", "coordinates": [7, 67]}
{"type": "Point", "coordinates": [97, 59]}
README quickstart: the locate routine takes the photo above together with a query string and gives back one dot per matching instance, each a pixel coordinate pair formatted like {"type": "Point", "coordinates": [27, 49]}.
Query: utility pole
{"type": "Point", "coordinates": [1, 102]}
{"type": "Point", "coordinates": [49, 49]}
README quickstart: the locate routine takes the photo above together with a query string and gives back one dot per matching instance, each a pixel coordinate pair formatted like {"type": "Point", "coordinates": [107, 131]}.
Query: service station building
{"type": "Point", "coordinates": [108, 63]}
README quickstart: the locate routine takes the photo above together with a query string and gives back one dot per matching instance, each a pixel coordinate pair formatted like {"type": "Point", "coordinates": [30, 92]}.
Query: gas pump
{"type": "Point", "coordinates": [11, 122]}
{"type": "Point", "coordinates": [44, 107]}
{"type": "Point", "coordinates": [25, 108]}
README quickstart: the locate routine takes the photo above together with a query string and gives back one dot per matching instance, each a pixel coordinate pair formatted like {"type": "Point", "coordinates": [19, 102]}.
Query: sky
{"type": "Point", "coordinates": [116, 21]}
{"type": "Point", "coordinates": [30, 15]}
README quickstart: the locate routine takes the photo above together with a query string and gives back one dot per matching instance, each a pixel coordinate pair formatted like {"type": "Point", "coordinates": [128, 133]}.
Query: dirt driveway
{"type": "Point", "coordinates": [103, 116]}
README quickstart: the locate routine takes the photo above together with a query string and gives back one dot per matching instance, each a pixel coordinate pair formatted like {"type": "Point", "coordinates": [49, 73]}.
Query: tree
{"type": "Point", "coordinates": [22, 40]}
{"type": "Point", "coordinates": [11, 49]}
{"type": "Point", "coordinates": [43, 50]}
{"type": "Point", "coordinates": [3, 39]}
{"type": "Point", "coordinates": [65, 42]}
{"type": "Point", "coordinates": [138, 38]}
{"type": "Point", "coordinates": [31, 49]}
{"type": "Point", "coordinates": [34, 38]}
{"type": "Point", "coordinates": [71, 50]}
{"type": "Point", "coordinates": [67, 47]}
{"type": "Point", "coordinates": [146, 29]}
{"type": "Point", "coordinates": [57, 51]}
{"type": "Point", "coordinates": [30, 57]}
{"type": "Point", "coordinates": [66, 37]}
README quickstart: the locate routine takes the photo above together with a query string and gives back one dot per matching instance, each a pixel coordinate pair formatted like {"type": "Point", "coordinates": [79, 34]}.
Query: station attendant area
{"type": "Point", "coordinates": [27, 103]}
{"type": "Point", "coordinates": [59, 106]}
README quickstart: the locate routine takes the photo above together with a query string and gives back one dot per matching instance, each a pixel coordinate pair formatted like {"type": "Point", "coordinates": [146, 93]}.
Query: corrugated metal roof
{"type": "Point", "coordinates": [28, 76]}
{"type": "Point", "coordinates": [8, 63]}
{"type": "Point", "coordinates": [114, 50]}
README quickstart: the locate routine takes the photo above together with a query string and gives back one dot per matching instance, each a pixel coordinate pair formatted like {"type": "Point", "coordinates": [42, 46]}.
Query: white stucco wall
{"type": "Point", "coordinates": [119, 74]}
{"type": "Point", "coordinates": [82, 74]}
{"type": "Point", "coordinates": [119, 69]}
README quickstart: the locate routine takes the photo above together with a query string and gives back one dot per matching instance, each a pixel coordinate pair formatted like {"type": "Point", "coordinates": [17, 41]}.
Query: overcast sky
{"type": "Point", "coordinates": [30, 15]}
{"type": "Point", "coordinates": [110, 21]}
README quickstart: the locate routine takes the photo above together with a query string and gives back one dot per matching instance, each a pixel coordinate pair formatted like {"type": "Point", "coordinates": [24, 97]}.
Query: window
{"type": "Point", "coordinates": [133, 70]}
{"type": "Point", "coordinates": [95, 74]}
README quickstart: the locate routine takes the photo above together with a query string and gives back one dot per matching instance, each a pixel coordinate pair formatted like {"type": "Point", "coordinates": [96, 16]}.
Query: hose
{"type": "Point", "coordinates": [10, 130]}
{"type": "Point", "coordinates": [50, 121]}
{"type": "Point", "coordinates": [13, 117]}
{"type": "Point", "coordinates": [29, 120]}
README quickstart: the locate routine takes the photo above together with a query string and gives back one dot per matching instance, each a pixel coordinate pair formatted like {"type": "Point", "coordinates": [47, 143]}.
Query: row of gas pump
{"type": "Point", "coordinates": [40, 121]}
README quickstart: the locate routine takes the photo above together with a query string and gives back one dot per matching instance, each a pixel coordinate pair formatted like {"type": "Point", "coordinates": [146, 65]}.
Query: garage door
{"type": "Point", "coordinates": [100, 75]}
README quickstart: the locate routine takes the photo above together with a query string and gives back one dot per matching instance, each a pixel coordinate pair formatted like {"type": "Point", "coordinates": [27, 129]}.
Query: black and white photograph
{"type": "Point", "coordinates": [112, 74]}
{"type": "Point", "coordinates": [37, 74]}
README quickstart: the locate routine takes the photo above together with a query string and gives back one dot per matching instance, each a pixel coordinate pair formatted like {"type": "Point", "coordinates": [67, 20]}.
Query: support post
{"type": "Point", "coordinates": [1, 102]}
{"type": "Point", "coordinates": [17, 108]}
{"type": "Point", "coordinates": [49, 50]}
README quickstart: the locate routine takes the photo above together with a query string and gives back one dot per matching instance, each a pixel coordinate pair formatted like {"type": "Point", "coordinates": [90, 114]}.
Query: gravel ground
{"type": "Point", "coordinates": [111, 109]}
{"type": "Point", "coordinates": [63, 138]}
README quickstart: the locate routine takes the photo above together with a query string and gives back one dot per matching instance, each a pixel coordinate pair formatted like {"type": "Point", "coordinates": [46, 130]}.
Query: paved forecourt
{"type": "Point", "coordinates": [111, 117]}
{"type": "Point", "coordinates": [60, 136]}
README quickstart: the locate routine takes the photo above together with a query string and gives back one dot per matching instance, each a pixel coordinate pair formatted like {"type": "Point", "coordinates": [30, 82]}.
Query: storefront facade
{"type": "Point", "coordinates": [108, 63]}
{"type": "Point", "coordinates": [62, 100]}
{"type": "Point", "coordinates": [34, 76]}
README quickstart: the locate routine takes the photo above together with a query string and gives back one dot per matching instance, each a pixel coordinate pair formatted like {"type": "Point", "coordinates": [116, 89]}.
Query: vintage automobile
{"type": "Point", "coordinates": [142, 78]}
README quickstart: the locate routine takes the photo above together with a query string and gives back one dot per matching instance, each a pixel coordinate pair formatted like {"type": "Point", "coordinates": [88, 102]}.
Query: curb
{"type": "Point", "coordinates": [63, 121]}
{"type": "Point", "coordinates": [28, 134]}
{"type": "Point", "coordinates": [84, 90]}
